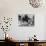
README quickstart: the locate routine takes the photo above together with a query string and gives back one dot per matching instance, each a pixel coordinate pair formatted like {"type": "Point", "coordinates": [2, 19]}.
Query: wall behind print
{"type": "Point", "coordinates": [12, 8]}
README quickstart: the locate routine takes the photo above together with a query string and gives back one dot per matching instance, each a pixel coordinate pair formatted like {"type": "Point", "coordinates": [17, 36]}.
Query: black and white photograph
{"type": "Point", "coordinates": [26, 19]}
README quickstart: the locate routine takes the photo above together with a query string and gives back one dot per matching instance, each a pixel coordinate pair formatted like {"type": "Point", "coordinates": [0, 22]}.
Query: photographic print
{"type": "Point", "coordinates": [26, 19]}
